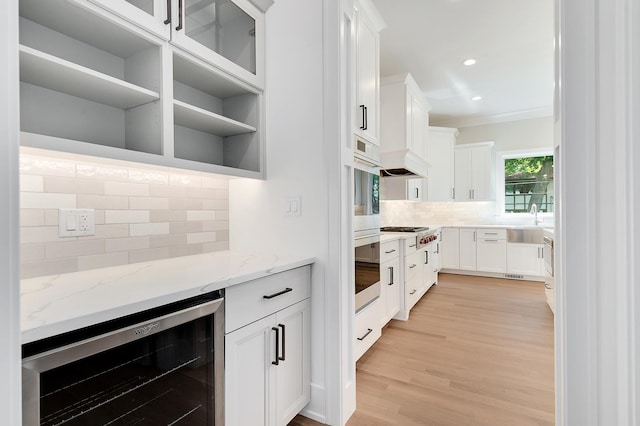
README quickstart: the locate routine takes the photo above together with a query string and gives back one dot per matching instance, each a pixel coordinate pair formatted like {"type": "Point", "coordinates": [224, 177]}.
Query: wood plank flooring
{"type": "Point", "coordinates": [475, 351]}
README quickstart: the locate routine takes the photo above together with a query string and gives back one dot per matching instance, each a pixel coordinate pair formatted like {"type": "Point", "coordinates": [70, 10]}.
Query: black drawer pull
{"type": "Point", "coordinates": [284, 344]}
{"type": "Point", "coordinates": [412, 292]}
{"type": "Point", "coordinates": [390, 251]}
{"type": "Point", "coordinates": [280, 293]}
{"type": "Point", "coordinates": [369, 330]}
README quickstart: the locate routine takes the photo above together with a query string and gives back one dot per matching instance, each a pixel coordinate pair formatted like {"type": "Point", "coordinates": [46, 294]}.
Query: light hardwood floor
{"type": "Point", "coordinates": [475, 351]}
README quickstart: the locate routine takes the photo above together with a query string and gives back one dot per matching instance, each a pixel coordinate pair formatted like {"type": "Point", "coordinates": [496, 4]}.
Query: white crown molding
{"type": "Point", "coordinates": [372, 13]}
{"type": "Point", "coordinates": [478, 120]}
{"type": "Point", "coordinates": [263, 5]}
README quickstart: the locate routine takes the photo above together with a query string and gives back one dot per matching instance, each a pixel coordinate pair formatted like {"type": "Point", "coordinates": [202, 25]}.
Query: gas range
{"type": "Point", "coordinates": [423, 235]}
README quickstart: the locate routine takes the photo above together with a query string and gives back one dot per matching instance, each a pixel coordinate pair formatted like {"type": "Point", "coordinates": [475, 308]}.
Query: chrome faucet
{"type": "Point", "coordinates": [534, 212]}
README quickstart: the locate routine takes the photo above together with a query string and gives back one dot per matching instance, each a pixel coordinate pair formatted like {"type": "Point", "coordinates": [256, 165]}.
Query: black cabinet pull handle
{"type": "Point", "coordinates": [412, 292]}
{"type": "Point", "coordinates": [363, 127]}
{"type": "Point", "coordinates": [390, 251]}
{"type": "Point", "coordinates": [417, 193]}
{"type": "Point", "coordinates": [426, 257]}
{"type": "Point", "coordinates": [412, 266]}
{"type": "Point", "coordinates": [369, 330]}
{"type": "Point", "coordinates": [366, 118]}
{"type": "Point", "coordinates": [280, 293]}
{"type": "Point", "coordinates": [284, 345]}
{"type": "Point", "coordinates": [391, 275]}
{"type": "Point", "coordinates": [179, 27]}
{"type": "Point", "coordinates": [277, 361]}
{"type": "Point", "coordinates": [168, 20]}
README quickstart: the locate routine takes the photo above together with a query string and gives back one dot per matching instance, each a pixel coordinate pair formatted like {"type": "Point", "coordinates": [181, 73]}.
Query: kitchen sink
{"type": "Point", "coordinates": [525, 235]}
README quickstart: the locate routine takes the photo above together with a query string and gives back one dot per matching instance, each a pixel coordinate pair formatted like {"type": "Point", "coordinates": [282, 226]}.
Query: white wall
{"type": "Point", "coordinates": [512, 135]}
{"type": "Point", "coordinates": [295, 155]}
{"type": "Point", "coordinates": [10, 401]}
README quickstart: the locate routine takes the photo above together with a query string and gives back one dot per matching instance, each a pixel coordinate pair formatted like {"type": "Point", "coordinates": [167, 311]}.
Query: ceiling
{"type": "Point", "coordinates": [511, 40]}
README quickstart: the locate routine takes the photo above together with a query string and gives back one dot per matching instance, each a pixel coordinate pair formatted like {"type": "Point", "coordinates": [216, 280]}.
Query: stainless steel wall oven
{"type": "Point", "coordinates": [161, 366]}
{"type": "Point", "coordinates": [367, 270]}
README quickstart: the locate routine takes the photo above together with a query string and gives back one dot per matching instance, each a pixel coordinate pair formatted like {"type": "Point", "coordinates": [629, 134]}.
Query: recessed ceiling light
{"type": "Point", "coordinates": [469, 62]}
{"type": "Point", "coordinates": [476, 98]}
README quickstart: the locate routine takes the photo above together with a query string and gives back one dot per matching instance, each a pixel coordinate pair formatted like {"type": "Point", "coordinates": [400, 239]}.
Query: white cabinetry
{"type": "Point", "coordinates": [429, 271]}
{"type": "Point", "coordinates": [474, 172]}
{"type": "Point", "coordinates": [267, 349]}
{"type": "Point", "coordinates": [366, 123]}
{"type": "Point", "coordinates": [94, 83]}
{"type": "Point", "coordinates": [402, 188]}
{"type": "Point", "coordinates": [468, 249]}
{"type": "Point", "coordinates": [450, 248]}
{"type": "Point", "coordinates": [390, 279]}
{"type": "Point", "coordinates": [228, 33]}
{"type": "Point", "coordinates": [403, 124]}
{"type": "Point", "coordinates": [525, 259]}
{"type": "Point", "coordinates": [491, 250]}
{"type": "Point", "coordinates": [367, 327]}
{"type": "Point", "coordinates": [440, 155]}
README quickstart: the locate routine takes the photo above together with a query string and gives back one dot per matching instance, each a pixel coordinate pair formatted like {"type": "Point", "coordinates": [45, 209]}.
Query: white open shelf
{"type": "Point", "coordinates": [42, 69]}
{"type": "Point", "coordinates": [200, 119]}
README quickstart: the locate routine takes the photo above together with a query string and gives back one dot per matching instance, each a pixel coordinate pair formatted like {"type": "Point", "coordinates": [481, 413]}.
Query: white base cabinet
{"type": "Point", "coordinates": [468, 261]}
{"type": "Point", "coordinates": [525, 259]}
{"type": "Point", "coordinates": [450, 248]}
{"type": "Point", "coordinates": [390, 279]}
{"type": "Point", "coordinates": [367, 328]}
{"type": "Point", "coordinates": [267, 361]}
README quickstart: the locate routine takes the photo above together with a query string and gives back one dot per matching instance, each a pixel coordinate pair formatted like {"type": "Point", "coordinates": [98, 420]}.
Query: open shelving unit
{"type": "Point", "coordinates": [93, 83]}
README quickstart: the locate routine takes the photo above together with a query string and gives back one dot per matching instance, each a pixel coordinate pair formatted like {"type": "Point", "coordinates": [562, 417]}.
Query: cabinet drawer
{"type": "Point", "coordinates": [389, 250]}
{"type": "Point", "coordinates": [410, 245]}
{"type": "Point", "coordinates": [366, 328]}
{"type": "Point", "coordinates": [250, 301]}
{"type": "Point", "coordinates": [491, 233]}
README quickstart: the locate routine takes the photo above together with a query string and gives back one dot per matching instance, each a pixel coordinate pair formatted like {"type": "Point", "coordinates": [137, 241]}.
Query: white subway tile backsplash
{"type": "Point", "coordinates": [36, 200]}
{"type": "Point", "coordinates": [102, 202]}
{"type": "Point", "coordinates": [126, 216]}
{"type": "Point", "coordinates": [102, 172]}
{"type": "Point", "coordinates": [126, 244]}
{"type": "Point", "coordinates": [148, 254]}
{"type": "Point", "coordinates": [193, 215]}
{"type": "Point", "coordinates": [31, 183]}
{"type": "Point", "coordinates": [38, 234]}
{"type": "Point", "coordinates": [148, 203]}
{"type": "Point", "coordinates": [32, 217]}
{"type": "Point", "coordinates": [48, 267]}
{"type": "Point", "coordinates": [102, 260]}
{"type": "Point", "coordinates": [126, 188]}
{"type": "Point", "coordinates": [138, 229]}
{"type": "Point", "coordinates": [201, 237]}
{"type": "Point", "coordinates": [142, 212]}
{"type": "Point", "coordinates": [73, 248]}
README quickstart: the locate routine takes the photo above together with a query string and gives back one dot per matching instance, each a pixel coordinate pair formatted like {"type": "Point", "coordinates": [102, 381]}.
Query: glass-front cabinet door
{"type": "Point", "coordinates": [153, 15]}
{"type": "Point", "coordinates": [226, 33]}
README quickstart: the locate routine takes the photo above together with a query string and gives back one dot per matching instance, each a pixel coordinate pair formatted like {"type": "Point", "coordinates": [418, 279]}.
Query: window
{"type": "Point", "coordinates": [525, 179]}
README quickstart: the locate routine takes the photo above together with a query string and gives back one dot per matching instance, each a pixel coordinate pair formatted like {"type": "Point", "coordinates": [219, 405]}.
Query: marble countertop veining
{"type": "Point", "coordinates": [60, 303]}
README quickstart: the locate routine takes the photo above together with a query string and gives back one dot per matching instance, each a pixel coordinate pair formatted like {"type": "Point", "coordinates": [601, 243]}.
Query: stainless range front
{"type": "Point", "coordinates": [162, 366]}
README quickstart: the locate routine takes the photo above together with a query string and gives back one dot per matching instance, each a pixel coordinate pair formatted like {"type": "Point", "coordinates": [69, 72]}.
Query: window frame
{"type": "Point", "coordinates": [500, 188]}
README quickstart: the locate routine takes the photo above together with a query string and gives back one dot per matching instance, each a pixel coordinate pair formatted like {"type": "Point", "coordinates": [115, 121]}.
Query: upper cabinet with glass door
{"type": "Point", "coordinates": [228, 34]}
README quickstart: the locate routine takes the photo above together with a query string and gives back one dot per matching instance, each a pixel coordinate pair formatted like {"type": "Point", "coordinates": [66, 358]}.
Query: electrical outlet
{"type": "Point", "coordinates": [76, 222]}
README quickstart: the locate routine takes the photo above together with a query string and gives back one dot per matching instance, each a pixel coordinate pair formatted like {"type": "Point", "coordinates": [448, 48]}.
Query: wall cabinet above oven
{"type": "Point", "coordinates": [366, 116]}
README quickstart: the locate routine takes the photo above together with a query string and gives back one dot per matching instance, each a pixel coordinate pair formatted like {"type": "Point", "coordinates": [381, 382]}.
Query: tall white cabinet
{"type": "Point", "coordinates": [475, 172]}
{"type": "Point", "coordinates": [440, 155]}
{"type": "Point", "coordinates": [155, 82]}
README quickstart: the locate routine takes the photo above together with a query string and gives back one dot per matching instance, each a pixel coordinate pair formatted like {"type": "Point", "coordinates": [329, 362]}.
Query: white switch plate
{"type": "Point", "coordinates": [293, 206]}
{"type": "Point", "coordinates": [76, 222]}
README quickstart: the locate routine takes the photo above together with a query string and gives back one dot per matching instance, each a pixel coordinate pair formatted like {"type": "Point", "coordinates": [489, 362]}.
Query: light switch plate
{"type": "Point", "coordinates": [76, 222]}
{"type": "Point", "coordinates": [293, 206]}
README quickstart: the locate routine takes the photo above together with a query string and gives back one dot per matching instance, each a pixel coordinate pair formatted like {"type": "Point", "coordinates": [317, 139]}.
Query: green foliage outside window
{"type": "Point", "coordinates": [528, 181]}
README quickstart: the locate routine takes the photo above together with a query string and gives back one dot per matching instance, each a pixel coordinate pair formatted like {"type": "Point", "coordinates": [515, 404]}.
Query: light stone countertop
{"type": "Point", "coordinates": [60, 303]}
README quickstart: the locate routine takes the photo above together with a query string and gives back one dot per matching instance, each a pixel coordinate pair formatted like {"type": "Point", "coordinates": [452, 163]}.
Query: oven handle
{"type": "Point", "coordinates": [75, 351]}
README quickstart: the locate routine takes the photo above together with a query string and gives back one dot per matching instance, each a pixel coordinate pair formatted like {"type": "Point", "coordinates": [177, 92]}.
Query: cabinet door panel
{"type": "Point", "coordinates": [468, 249]}
{"type": "Point", "coordinates": [491, 256]}
{"type": "Point", "coordinates": [462, 175]}
{"type": "Point", "coordinates": [249, 376]}
{"type": "Point", "coordinates": [481, 173]}
{"type": "Point", "coordinates": [450, 248]}
{"type": "Point", "coordinates": [524, 259]}
{"type": "Point", "coordinates": [368, 79]}
{"type": "Point", "coordinates": [440, 156]}
{"type": "Point", "coordinates": [390, 286]}
{"type": "Point", "coordinates": [292, 374]}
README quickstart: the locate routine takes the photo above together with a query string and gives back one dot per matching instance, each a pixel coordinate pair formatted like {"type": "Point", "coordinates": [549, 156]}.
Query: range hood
{"type": "Point", "coordinates": [403, 163]}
